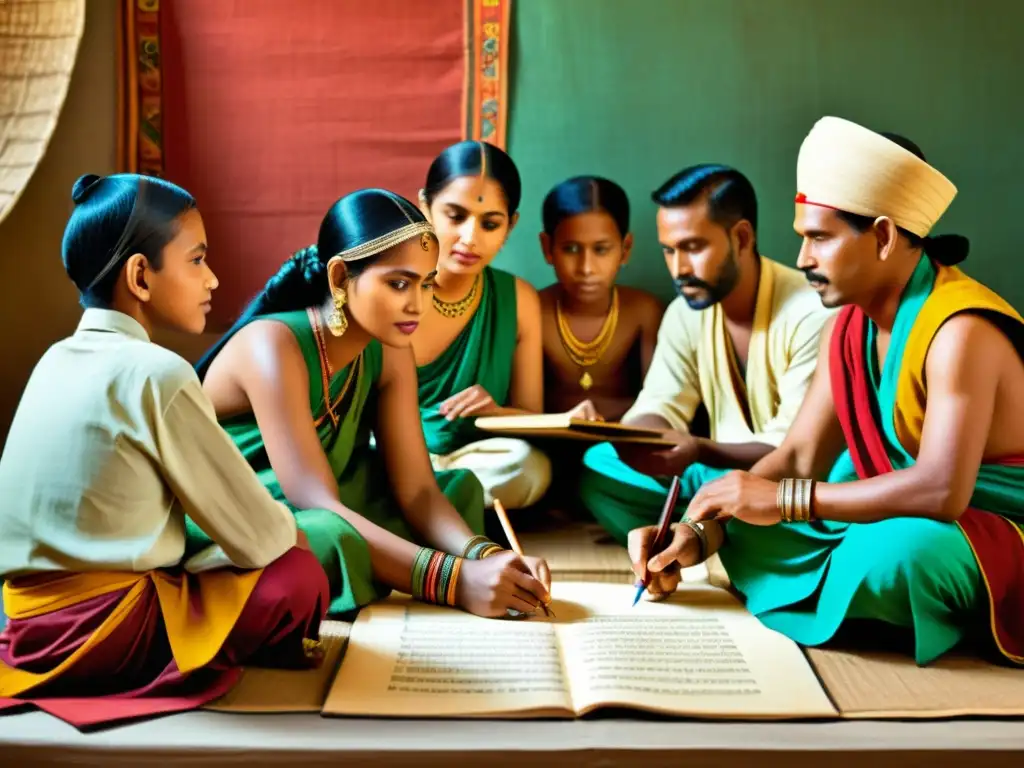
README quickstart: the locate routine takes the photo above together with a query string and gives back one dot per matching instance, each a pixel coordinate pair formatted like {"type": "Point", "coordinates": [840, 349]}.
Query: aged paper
{"type": "Point", "coordinates": [410, 659]}
{"type": "Point", "coordinates": [699, 654]}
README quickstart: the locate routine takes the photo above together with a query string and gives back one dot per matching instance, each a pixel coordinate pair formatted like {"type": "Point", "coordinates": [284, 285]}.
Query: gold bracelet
{"type": "Point", "coordinates": [786, 503]}
{"type": "Point", "coordinates": [808, 499]}
{"type": "Point", "coordinates": [794, 500]}
{"type": "Point", "coordinates": [794, 508]}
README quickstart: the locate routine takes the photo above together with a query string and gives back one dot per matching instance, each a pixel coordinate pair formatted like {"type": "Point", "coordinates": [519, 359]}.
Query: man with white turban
{"type": "Point", "coordinates": [898, 494]}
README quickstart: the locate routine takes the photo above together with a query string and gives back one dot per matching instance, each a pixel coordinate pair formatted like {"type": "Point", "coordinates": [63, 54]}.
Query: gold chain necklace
{"type": "Point", "coordinates": [458, 308]}
{"type": "Point", "coordinates": [587, 353]}
{"type": "Point", "coordinates": [327, 371]}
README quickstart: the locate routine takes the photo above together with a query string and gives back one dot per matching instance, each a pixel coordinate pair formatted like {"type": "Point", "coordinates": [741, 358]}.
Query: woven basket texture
{"type": "Point", "coordinates": [39, 41]}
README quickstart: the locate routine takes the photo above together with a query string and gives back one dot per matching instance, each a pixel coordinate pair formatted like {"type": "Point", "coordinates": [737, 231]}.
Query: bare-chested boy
{"type": "Point", "coordinates": [598, 337]}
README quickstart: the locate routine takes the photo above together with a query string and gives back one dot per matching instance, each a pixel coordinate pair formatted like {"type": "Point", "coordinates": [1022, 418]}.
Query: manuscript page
{"type": "Point", "coordinates": [407, 659]}
{"type": "Point", "coordinates": [698, 654]}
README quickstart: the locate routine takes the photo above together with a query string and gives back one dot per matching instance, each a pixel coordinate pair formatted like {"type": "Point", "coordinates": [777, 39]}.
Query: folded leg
{"type": "Point", "coordinates": [510, 470]}
{"type": "Point", "coordinates": [125, 667]}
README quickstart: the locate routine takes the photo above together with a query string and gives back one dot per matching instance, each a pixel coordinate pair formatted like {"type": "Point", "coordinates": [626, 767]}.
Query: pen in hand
{"type": "Point", "coordinates": [513, 542]}
{"type": "Point", "coordinates": [660, 538]}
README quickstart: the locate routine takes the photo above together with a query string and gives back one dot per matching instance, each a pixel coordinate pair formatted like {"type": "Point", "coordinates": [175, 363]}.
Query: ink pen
{"type": "Point", "coordinates": [513, 541]}
{"type": "Point", "coordinates": [660, 538]}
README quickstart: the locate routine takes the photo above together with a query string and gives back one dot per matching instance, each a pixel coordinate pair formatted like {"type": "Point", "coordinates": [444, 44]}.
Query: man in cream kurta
{"type": "Point", "coordinates": [741, 338]}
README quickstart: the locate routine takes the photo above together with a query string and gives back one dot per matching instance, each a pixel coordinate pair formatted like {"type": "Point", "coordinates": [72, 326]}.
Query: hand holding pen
{"type": "Point", "coordinates": [643, 549]}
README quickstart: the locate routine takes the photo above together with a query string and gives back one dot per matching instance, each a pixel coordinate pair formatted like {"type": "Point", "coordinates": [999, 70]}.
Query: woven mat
{"type": "Point", "coordinates": [583, 552]}
{"type": "Point", "coordinates": [579, 552]}
{"type": "Point", "coordinates": [277, 690]}
{"type": "Point", "coordinates": [39, 41]}
{"type": "Point", "coordinates": [875, 684]}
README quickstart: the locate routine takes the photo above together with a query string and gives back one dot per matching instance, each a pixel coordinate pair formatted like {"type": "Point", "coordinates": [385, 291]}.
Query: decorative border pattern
{"type": "Point", "coordinates": [140, 97]}
{"type": "Point", "coordinates": [488, 32]}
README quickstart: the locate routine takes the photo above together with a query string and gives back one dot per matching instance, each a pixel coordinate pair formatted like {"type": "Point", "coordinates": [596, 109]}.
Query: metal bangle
{"type": "Point", "coordinates": [702, 537]}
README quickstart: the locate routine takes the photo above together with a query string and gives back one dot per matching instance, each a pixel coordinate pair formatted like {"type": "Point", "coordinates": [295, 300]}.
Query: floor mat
{"type": "Point", "coordinates": [278, 690]}
{"type": "Point", "coordinates": [887, 685]}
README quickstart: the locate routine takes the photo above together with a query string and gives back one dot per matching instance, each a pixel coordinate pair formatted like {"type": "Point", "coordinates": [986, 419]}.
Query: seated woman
{"type": "Point", "coordinates": [479, 350]}
{"type": "Point", "coordinates": [598, 337]}
{"type": "Point", "coordinates": [317, 362]}
{"type": "Point", "coordinates": [112, 445]}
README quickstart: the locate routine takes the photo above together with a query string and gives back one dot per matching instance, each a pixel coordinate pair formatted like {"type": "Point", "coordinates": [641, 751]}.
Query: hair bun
{"type": "Point", "coordinates": [83, 186]}
{"type": "Point", "coordinates": [947, 250]}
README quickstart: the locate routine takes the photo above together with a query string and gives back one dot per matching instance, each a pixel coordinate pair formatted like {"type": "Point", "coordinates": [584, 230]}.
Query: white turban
{"type": "Point", "coordinates": [847, 167]}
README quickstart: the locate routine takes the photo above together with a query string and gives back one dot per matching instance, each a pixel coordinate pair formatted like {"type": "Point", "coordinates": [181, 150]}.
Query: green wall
{"type": "Point", "coordinates": [638, 89]}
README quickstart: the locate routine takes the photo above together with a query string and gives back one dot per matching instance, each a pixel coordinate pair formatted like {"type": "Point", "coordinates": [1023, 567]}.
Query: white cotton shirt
{"type": "Point", "coordinates": [693, 362]}
{"type": "Point", "coordinates": [114, 442]}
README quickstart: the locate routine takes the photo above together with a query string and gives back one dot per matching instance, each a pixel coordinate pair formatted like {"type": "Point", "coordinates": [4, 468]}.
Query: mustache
{"type": "Point", "coordinates": [689, 281]}
{"type": "Point", "coordinates": [814, 277]}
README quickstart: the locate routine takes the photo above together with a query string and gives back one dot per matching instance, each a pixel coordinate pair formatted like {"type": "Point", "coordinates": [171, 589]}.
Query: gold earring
{"type": "Point", "coordinates": [337, 323]}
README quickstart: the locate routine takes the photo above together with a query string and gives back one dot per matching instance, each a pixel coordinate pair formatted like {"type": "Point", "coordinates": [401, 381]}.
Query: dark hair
{"type": "Point", "coordinates": [730, 195]}
{"type": "Point", "coordinates": [107, 226]}
{"type": "Point", "coordinates": [943, 249]}
{"type": "Point", "coordinates": [301, 282]}
{"type": "Point", "coordinates": [466, 159]}
{"type": "Point", "coordinates": [583, 194]}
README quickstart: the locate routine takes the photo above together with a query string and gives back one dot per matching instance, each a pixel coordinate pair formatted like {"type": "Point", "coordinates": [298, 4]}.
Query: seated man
{"type": "Point", "coordinates": [112, 445]}
{"type": "Point", "coordinates": [910, 426]}
{"type": "Point", "coordinates": [741, 339]}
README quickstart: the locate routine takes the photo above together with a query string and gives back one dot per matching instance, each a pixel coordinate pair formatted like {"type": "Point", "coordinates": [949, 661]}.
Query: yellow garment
{"type": "Point", "coordinates": [196, 632]}
{"type": "Point", "coordinates": [953, 291]}
{"type": "Point", "coordinates": [845, 166]}
{"type": "Point", "coordinates": [694, 362]}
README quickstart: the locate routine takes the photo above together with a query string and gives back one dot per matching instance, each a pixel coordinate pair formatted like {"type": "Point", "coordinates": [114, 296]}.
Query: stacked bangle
{"type": "Point", "coordinates": [702, 537]}
{"type": "Point", "coordinates": [479, 547]}
{"type": "Point", "coordinates": [434, 576]}
{"type": "Point", "coordinates": [794, 500]}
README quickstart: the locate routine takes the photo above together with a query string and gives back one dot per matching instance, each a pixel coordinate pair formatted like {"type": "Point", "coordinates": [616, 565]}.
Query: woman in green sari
{"type": "Point", "coordinates": [479, 350]}
{"type": "Point", "coordinates": [317, 362]}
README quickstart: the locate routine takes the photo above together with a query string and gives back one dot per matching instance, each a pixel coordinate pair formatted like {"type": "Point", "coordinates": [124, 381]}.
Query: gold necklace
{"type": "Point", "coordinates": [327, 371]}
{"type": "Point", "coordinates": [587, 353]}
{"type": "Point", "coordinates": [458, 308]}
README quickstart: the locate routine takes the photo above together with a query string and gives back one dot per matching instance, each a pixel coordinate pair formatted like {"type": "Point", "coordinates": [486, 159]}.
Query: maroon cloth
{"type": "Point", "coordinates": [274, 109]}
{"type": "Point", "coordinates": [133, 674]}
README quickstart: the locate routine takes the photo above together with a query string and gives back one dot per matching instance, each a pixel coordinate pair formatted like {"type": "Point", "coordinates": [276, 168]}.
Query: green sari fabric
{"type": "Point", "coordinates": [481, 354]}
{"type": "Point", "coordinates": [621, 499]}
{"type": "Point", "coordinates": [362, 478]}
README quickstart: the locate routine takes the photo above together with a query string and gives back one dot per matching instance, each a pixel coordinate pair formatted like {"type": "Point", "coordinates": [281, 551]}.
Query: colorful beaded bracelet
{"type": "Point", "coordinates": [434, 576]}
{"type": "Point", "coordinates": [479, 547]}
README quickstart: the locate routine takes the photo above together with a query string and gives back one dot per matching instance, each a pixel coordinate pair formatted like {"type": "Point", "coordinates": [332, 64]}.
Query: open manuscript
{"type": "Point", "coordinates": [699, 654]}
{"type": "Point", "coordinates": [560, 425]}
